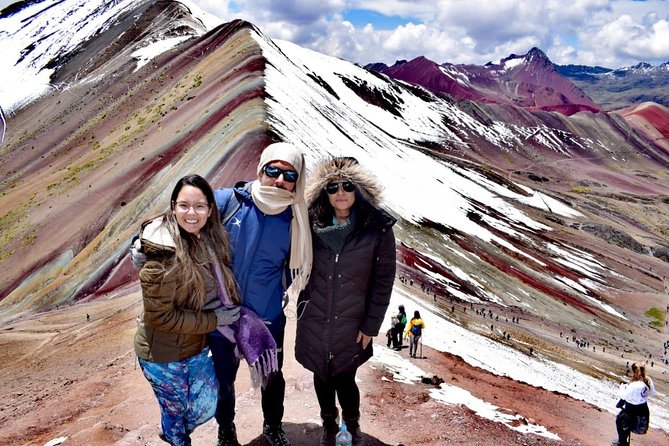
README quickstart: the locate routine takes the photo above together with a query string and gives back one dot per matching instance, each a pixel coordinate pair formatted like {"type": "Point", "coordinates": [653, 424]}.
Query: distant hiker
{"type": "Point", "coordinates": [397, 333]}
{"type": "Point", "coordinates": [402, 318]}
{"type": "Point", "coordinates": [391, 334]}
{"type": "Point", "coordinates": [88, 317]}
{"type": "Point", "coordinates": [184, 247]}
{"type": "Point", "coordinates": [634, 415]}
{"type": "Point", "coordinates": [414, 331]}
{"type": "Point", "coordinates": [338, 315]}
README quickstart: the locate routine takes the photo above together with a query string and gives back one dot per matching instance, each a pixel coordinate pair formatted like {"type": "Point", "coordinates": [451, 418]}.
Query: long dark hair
{"type": "Point", "coordinates": [321, 211]}
{"type": "Point", "coordinates": [343, 168]}
{"type": "Point", "coordinates": [196, 257]}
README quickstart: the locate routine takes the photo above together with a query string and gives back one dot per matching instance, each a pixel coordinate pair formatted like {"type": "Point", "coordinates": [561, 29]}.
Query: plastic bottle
{"type": "Point", "coordinates": [343, 437]}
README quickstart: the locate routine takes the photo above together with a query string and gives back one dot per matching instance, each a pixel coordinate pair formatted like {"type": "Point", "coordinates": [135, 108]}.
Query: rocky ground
{"type": "Point", "coordinates": [65, 377]}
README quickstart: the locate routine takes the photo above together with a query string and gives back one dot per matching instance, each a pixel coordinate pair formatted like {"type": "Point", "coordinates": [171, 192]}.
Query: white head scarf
{"type": "Point", "coordinates": [273, 200]}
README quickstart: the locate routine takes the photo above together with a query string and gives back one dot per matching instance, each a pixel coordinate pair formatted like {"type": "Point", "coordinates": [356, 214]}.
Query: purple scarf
{"type": "Point", "coordinates": [253, 340]}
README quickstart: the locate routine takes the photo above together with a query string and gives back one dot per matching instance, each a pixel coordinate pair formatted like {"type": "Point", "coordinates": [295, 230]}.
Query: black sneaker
{"type": "Point", "coordinates": [275, 435]}
{"type": "Point", "coordinates": [329, 434]}
{"type": "Point", "coordinates": [227, 436]}
{"type": "Point", "coordinates": [162, 436]}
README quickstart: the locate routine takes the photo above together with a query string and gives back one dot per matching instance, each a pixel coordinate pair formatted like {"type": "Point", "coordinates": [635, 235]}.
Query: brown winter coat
{"type": "Point", "coordinates": [165, 332]}
{"type": "Point", "coordinates": [348, 291]}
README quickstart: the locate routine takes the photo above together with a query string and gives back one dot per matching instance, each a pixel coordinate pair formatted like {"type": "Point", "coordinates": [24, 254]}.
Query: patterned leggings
{"type": "Point", "coordinates": [186, 390]}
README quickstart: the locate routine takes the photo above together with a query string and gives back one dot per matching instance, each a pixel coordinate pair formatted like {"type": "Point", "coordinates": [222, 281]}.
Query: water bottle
{"type": "Point", "coordinates": [343, 437]}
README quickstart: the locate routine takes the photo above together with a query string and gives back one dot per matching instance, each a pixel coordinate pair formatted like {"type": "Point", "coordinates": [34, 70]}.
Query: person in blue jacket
{"type": "Point", "coordinates": [270, 244]}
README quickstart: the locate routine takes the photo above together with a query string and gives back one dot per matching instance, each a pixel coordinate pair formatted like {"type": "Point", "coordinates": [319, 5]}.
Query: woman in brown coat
{"type": "Point", "coordinates": [181, 293]}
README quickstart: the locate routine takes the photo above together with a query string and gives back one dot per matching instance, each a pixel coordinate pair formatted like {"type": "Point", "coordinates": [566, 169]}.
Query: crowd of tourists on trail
{"type": "Point", "coordinates": [218, 266]}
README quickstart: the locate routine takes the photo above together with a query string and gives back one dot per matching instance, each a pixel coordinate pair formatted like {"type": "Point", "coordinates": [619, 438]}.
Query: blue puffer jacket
{"type": "Point", "coordinates": [260, 247]}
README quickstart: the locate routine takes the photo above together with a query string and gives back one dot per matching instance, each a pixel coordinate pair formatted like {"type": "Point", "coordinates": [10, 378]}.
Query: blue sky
{"type": "Point", "coordinates": [610, 33]}
{"type": "Point", "coordinates": [361, 17]}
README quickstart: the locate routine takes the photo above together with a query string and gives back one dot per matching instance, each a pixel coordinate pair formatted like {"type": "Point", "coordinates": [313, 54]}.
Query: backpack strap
{"type": "Point", "coordinates": [231, 207]}
{"type": "Point", "coordinates": [232, 204]}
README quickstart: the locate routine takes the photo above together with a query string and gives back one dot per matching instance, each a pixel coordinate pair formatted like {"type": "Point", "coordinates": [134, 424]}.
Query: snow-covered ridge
{"type": "Point", "coordinates": [23, 39]}
{"type": "Point", "coordinates": [328, 117]}
{"type": "Point", "coordinates": [36, 37]}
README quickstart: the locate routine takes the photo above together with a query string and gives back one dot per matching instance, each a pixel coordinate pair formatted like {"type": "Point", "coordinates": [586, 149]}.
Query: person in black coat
{"type": "Point", "coordinates": [401, 324]}
{"type": "Point", "coordinates": [345, 301]}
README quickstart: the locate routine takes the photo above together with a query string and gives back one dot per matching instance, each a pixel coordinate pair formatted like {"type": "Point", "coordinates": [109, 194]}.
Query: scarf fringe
{"type": "Point", "coordinates": [299, 279]}
{"type": "Point", "coordinates": [263, 368]}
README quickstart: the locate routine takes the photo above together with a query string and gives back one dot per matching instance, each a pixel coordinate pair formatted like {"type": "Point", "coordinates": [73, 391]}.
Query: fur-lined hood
{"type": "Point", "coordinates": [344, 169]}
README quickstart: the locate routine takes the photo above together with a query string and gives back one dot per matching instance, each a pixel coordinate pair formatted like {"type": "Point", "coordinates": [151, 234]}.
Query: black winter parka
{"type": "Point", "coordinates": [347, 292]}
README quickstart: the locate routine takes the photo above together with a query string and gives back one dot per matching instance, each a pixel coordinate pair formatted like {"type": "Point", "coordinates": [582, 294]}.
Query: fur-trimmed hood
{"type": "Point", "coordinates": [344, 169]}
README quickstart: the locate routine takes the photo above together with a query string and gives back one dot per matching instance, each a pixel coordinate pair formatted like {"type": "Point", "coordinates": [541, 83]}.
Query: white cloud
{"type": "Point", "coordinates": [611, 33]}
{"type": "Point", "coordinates": [653, 41]}
{"type": "Point", "coordinates": [627, 38]}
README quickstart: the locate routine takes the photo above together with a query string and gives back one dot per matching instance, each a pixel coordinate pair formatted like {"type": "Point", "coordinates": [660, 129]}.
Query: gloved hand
{"type": "Point", "coordinates": [137, 256]}
{"type": "Point", "coordinates": [227, 315]}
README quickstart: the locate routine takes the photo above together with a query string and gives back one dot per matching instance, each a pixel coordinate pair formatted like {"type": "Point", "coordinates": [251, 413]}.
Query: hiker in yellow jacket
{"type": "Point", "coordinates": [413, 332]}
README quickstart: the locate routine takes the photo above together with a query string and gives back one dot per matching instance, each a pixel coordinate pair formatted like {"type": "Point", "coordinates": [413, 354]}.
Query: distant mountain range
{"type": "Point", "coordinates": [532, 81]}
{"type": "Point", "coordinates": [615, 89]}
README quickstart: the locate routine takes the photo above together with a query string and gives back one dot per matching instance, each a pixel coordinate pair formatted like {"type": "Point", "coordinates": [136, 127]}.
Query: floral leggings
{"type": "Point", "coordinates": [186, 390]}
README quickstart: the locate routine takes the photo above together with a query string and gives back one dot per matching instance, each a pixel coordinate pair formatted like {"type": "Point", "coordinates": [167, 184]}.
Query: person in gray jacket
{"type": "Point", "coordinates": [345, 301]}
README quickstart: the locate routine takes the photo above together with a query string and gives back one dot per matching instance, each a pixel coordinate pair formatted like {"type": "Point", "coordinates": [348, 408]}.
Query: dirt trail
{"type": "Point", "coordinates": [65, 377]}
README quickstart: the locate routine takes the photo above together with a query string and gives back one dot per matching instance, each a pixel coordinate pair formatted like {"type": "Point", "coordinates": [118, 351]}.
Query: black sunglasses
{"type": "Point", "coordinates": [288, 175]}
{"type": "Point", "coordinates": [332, 188]}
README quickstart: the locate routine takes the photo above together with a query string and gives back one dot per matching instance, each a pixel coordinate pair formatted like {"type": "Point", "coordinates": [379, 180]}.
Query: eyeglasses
{"type": "Point", "coordinates": [198, 208]}
{"type": "Point", "coordinates": [332, 188]}
{"type": "Point", "coordinates": [273, 172]}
